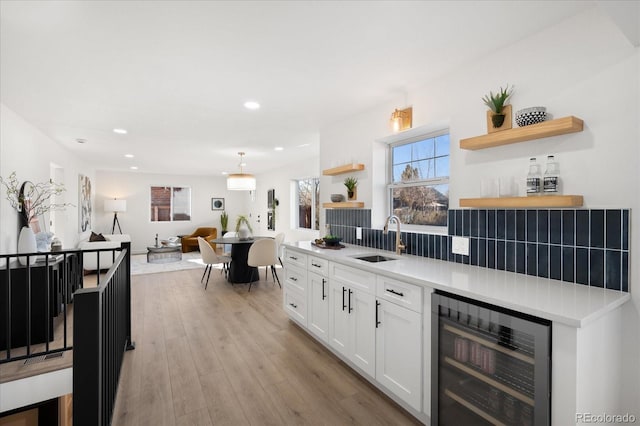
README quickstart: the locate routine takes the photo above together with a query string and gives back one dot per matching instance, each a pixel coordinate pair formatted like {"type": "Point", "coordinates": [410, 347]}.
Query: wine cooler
{"type": "Point", "coordinates": [490, 366]}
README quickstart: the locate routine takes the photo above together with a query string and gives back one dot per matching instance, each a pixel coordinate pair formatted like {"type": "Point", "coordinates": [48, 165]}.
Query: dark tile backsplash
{"type": "Point", "coordinates": [589, 247]}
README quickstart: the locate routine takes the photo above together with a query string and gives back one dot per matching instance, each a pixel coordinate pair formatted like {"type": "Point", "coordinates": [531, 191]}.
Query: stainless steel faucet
{"type": "Point", "coordinates": [399, 244]}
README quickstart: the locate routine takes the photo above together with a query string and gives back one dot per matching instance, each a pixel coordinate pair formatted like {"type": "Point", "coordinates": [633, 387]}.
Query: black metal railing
{"type": "Point", "coordinates": [102, 333]}
{"type": "Point", "coordinates": [35, 288]}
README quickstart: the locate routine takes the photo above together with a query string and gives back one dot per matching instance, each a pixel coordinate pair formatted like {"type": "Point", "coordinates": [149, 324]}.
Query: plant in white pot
{"type": "Point", "coordinates": [31, 201]}
{"type": "Point", "coordinates": [243, 228]}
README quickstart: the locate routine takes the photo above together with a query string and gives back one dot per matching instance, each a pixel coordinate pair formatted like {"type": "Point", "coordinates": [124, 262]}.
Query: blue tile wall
{"type": "Point", "coordinates": [589, 247]}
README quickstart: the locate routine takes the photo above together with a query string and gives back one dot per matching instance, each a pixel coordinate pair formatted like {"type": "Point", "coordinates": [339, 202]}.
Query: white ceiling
{"type": "Point", "coordinates": [175, 74]}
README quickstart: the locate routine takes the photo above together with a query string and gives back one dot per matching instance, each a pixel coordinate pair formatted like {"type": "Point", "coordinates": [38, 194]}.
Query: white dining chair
{"type": "Point", "coordinates": [210, 258]}
{"type": "Point", "coordinates": [226, 248]}
{"type": "Point", "coordinates": [279, 240]}
{"type": "Point", "coordinates": [263, 253]}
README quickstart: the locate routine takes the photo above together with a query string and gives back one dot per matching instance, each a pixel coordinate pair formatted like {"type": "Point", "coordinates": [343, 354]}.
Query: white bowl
{"type": "Point", "coordinates": [532, 115]}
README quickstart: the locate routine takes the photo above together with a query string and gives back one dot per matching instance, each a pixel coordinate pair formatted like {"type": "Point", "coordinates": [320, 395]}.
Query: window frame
{"type": "Point", "coordinates": [171, 206]}
{"type": "Point", "coordinates": [315, 202]}
{"type": "Point", "coordinates": [413, 136]}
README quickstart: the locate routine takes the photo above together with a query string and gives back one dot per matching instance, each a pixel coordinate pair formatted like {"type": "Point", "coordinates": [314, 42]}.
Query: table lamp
{"type": "Point", "coordinates": [115, 206]}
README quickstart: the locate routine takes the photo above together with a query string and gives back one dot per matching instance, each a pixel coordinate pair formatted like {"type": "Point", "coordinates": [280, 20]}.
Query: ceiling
{"type": "Point", "coordinates": [175, 74]}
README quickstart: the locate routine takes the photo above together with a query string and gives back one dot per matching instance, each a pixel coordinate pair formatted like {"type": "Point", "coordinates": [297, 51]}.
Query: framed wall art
{"type": "Point", "coordinates": [217, 204]}
{"type": "Point", "coordinates": [84, 203]}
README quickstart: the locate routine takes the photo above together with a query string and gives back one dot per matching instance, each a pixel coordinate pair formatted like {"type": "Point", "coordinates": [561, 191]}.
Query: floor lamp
{"type": "Point", "coordinates": [115, 206]}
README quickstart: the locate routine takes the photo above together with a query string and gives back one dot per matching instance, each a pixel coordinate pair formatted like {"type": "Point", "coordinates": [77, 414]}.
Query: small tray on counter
{"type": "Point", "coordinates": [324, 246]}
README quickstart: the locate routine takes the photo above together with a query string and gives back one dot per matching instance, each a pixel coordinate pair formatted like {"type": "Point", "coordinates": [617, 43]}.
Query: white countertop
{"type": "Point", "coordinates": [572, 304]}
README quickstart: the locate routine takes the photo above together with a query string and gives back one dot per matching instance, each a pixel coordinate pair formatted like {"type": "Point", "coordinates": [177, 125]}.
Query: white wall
{"type": "Point", "coordinates": [135, 188]}
{"type": "Point", "coordinates": [583, 67]}
{"type": "Point", "coordinates": [27, 151]}
{"type": "Point", "coordinates": [281, 180]}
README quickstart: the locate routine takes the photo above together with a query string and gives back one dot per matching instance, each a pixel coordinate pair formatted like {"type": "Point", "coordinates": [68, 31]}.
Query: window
{"type": "Point", "coordinates": [170, 204]}
{"type": "Point", "coordinates": [308, 203]}
{"type": "Point", "coordinates": [419, 183]}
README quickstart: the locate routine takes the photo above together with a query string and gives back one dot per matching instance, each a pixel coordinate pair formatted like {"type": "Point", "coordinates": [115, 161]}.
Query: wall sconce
{"type": "Point", "coordinates": [401, 119]}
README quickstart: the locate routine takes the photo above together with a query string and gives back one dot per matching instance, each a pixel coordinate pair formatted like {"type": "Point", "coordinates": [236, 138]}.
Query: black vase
{"type": "Point", "coordinates": [497, 120]}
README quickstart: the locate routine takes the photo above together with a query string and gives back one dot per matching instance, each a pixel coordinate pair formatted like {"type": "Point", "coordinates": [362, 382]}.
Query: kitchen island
{"type": "Point", "coordinates": [583, 320]}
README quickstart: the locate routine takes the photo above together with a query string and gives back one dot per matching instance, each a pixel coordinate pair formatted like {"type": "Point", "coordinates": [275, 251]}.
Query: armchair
{"type": "Point", "coordinates": [190, 242]}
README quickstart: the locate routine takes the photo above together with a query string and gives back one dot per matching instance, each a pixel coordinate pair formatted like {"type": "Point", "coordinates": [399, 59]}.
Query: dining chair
{"type": "Point", "coordinates": [279, 241]}
{"type": "Point", "coordinates": [226, 249]}
{"type": "Point", "coordinates": [263, 253]}
{"type": "Point", "coordinates": [210, 258]}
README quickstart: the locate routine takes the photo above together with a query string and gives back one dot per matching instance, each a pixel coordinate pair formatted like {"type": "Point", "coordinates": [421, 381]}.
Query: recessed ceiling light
{"type": "Point", "coordinates": [225, 173]}
{"type": "Point", "coordinates": [129, 155]}
{"type": "Point", "coordinates": [278, 148]}
{"type": "Point", "coordinates": [120, 131]}
{"type": "Point", "coordinates": [81, 140]}
{"type": "Point", "coordinates": [253, 105]}
{"type": "Point", "coordinates": [134, 167]}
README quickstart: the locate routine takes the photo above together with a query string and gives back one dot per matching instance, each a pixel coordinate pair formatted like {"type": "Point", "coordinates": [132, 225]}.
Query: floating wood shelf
{"type": "Point", "coordinates": [545, 129]}
{"type": "Point", "coordinates": [525, 202]}
{"type": "Point", "coordinates": [344, 205]}
{"type": "Point", "coordinates": [353, 167]}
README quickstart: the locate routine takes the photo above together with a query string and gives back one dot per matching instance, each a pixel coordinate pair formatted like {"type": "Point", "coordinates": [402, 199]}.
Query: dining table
{"type": "Point", "coordinates": [239, 270]}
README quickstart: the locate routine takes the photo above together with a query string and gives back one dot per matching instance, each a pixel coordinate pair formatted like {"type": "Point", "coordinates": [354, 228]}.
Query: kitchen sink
{"type": "Point", "coordinates": [374, 258]}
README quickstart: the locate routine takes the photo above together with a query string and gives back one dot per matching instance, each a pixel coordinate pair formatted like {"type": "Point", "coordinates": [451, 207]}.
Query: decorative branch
{"type": "Point", "coordinates": [31, 200]}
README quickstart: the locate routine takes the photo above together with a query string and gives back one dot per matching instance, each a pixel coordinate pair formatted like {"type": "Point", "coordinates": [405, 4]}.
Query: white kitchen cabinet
{"type": "Point", "coordinates": [352, 324]}
{"type": "Point", "coordinates": [294, 289]}
{"type": "Point", "coordinates": [318, 305]}
{"type": "Point", "coordinates": [399, 351]}
{"type": "Point", "coordinates": [295, 304]}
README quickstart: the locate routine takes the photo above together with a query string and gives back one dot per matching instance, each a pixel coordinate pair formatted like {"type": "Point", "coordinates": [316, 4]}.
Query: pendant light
{"type": "Point", "coordinates": [241, 181]}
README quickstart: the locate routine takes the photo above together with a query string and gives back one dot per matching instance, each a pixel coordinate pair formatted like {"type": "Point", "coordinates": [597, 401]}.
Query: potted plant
{"type": "Point", "coordinates": [224, 221]}
{"type": "Point", "coordinates": [243, 227]}
{"type": "Point", "coordinates": [351, 183]}
{"type": "Point", "coordinates": [499, 112]}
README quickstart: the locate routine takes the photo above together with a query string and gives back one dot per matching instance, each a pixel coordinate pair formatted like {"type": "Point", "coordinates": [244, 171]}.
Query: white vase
{"type": "Point", "coordinates": [243, 232]}
{"type": "Point", "coordinates": [27, 244]}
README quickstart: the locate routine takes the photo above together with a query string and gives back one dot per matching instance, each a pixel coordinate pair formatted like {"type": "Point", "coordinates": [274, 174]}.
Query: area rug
{"type": "Point", "coordinates": [139, 264]}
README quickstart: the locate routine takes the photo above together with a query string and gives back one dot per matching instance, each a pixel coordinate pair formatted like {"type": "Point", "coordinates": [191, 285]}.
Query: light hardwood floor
{"type": "Point", "coordinates": [223, 356]}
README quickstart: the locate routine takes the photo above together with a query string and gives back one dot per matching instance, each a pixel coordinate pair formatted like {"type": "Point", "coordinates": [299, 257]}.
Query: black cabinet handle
{"type": "Point", "coordinates": [294, 306]}
{"type": "Point", "coordinates": [324, 296]}
{"type": "Point", "coordinates": [343, 291]}
{"type": "Point", "coordinates": [293, 258]}
{"type": "Point", "coordinates": [350, 293]}
{"type": "Point", "coordinates": [293, 278]}
{"type": "Point", "coordinates": [377, 321]}
{"type": "Point", "coordinates": [316, 265]}
{"type": "Point", "coordinates": [397, 293]}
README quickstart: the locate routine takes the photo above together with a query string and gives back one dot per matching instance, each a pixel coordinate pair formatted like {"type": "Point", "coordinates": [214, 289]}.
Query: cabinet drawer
{"type": "Point", "coordinates": [400, 293]}
{"type": "Point", "coordinates": [356, 278]}
{"type": "Point", "coordinates": [318, 265]}
{"type": "Point", "coordinates": [295, 257]}
{"type": "Point", "coordinates": [296, 277]}
{"type": "Point", "coordinates": [294, 304]}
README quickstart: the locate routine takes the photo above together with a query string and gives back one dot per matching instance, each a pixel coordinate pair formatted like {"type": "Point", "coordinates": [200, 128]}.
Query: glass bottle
{"type": "Point", "coordinates": [551, 179]}
{"type": "Point", "coordinates": [533, 178]}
